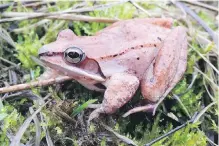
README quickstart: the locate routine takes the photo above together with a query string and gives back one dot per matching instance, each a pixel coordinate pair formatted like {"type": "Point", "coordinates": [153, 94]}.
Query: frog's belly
{"type": "Point", "coordinates": [92, 85]}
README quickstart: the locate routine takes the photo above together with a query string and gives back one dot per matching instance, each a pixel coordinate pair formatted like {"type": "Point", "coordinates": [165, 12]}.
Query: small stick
{"type": "Point", "coordinates": [79, 10]}
{"type": "Point", "coordinates": [4, 6]}
{"type": "Point", "coordinates": [9, 62]}
{"type": "Point", "coordinates": [121, 137]}
{"type": "Point", "coordinates": [37, 3]}
{"type": "Point", "coordinates": [172, 131]}
{"type": "Point", "coordinates": [82, 18]}
{"type": "Point", "coordinates": [205, 59]}
{"type": "Point", "coordinates": [14, 4]}
{"type": "Point", "coordinates": [31, 26]}
{"type": "Point", "coordinates": [140, 8]}
{"type": "Point", "coordinates": [196, 3]}
{"type": "Point", "coordinates": [68, 17]}
{"type": "Point", "coordinates": [34, 84]}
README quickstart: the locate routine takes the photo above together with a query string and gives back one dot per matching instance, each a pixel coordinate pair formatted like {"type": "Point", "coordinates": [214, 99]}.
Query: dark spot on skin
{"type": "Point", "coordinates": [115, 55]}
{"type": "Point", "coordinates": [155, 45]}
{"type": "Point", "coordinates": [142, 46]}
{"type": "Point", "coordinates": [100, 86]}
{"type": "Point", "coordinates": [121, 53]}
{"type": "Point", "coordinates": [159, 38]}
{"type": "Point", "coordinates": [138, 58]}
{"type": "Point", "coordinates": [132, 48]}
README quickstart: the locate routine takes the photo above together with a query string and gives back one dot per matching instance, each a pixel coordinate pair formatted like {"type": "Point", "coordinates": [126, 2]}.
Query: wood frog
{"type": "Point", "coordinates": [146, 53]}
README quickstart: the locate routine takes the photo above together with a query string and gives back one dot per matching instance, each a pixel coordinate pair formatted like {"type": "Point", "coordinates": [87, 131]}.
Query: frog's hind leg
{"type": "Point", "coordinates": [165, 72]}
{"type": "Point", "coordinates": [120, 89]}
{"type": "Point", "coordinates": [180, 71]}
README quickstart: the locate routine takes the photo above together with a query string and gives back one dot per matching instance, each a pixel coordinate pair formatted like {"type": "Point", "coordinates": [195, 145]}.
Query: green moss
{"type": "Point", "coordinates": [125, 11]}
{"type": "Point", "coordinates": [188, 136]}
{"type": "Point", "coordinates": [28, 46]}
{"type": "Point", "coordinates": [10, 123]}
{"type": "Point", "coordinates": [30, 41]}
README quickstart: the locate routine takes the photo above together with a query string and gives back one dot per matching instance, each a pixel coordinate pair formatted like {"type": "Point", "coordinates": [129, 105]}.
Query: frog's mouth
{"type": "Point", "coordinates": [88, 69]}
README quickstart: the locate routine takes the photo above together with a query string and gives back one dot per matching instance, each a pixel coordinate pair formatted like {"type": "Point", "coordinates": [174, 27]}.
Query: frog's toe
{"type": "Point", "coordinates": [95, 114]}
{"type": "Point", "coordinates": [146, 108]}
{"type": "Point", "coordinates": [94, 106]}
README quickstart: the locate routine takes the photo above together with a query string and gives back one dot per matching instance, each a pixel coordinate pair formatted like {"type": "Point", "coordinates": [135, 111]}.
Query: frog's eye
{"type": "Point", "coordinates": [74, 55]}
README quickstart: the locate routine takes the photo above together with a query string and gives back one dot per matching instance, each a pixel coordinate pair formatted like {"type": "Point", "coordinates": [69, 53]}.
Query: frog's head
{"type": "Point", "coordinates": [68, 57]}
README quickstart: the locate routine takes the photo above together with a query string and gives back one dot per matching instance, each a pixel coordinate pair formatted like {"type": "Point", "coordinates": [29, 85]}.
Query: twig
{"type": "Point", "coordinates": [4, 6]}
{"type": "Point", "coordinates": [205, 59]}
{"type": "Point", "coordinates": [172, 131]}
{"type": "Point", "coordinates": [9, 62]}
{"type": "Point", "coordinates": [140, 8]}
{"type": "Point", "coordinates": [203, 111]}
{"type": "Point", "coordinates": [5, 36]}
{"type": "Point", "coordinates": [181, 103]}
{"type": "Point", "coordinates": [199, 20]}
{"type": "Point", "coordinates": [123, 138]}
{"type": "Point", "coordinates": [68, 17]}
{"type": "Point", "coordinates": [79, 10]}
{"type": "Point", "coordinates": [82, 18]}
{"type": "Point", "coordinates": [14, 4]}
{"type": "Point", "coordinates": [206, 88]}
{"type": "Point", "coordinates": [206, 77]}
{"type": "Point", "coordinates": [37, 3]}
{"type": "Point", "coordinates": [196, 3]}
{"type": "Point", "coordinates": [31, 26]}
{"type": "Point", "coordinates": [34, 84]}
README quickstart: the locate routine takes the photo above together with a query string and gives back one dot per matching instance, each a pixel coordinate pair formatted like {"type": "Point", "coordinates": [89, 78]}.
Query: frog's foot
{"type": "Point", "coordinates": [146, 108]}
{"type": "Point", "coordinates": [94, 106]}
{"type": "Point", "coordinates": [120, 89]}
{"type": "Point", "coordinates": [95, 114]}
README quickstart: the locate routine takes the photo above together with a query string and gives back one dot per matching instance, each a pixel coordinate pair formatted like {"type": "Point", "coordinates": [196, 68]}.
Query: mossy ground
{"type": "Point", "coordinates": [51, 127]}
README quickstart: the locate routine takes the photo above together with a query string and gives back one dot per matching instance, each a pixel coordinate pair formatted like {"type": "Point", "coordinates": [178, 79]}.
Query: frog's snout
{"type": "Point", "coordinates": [42, 50]}
{"type": "Point", "coordinates": [45, 51]}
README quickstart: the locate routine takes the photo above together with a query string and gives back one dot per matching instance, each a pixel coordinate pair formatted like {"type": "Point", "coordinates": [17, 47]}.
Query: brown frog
{"type": "Point", "coordinates": [128, 54]}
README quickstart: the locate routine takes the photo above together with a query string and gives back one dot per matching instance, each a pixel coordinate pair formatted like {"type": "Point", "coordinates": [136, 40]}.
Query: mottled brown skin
{"type": "Point", "coordinates": [122, 57]}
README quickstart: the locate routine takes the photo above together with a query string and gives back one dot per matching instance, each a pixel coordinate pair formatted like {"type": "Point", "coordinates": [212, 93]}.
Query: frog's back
{"type": "Point", "coordinates": [131, 46]}
{"type": "Point", "coordinates": [124, 35]}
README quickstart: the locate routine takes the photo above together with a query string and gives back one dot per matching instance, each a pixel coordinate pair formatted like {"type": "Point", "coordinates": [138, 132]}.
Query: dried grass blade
{"type": "Point", "coordinates": [38, 128]}
{"type": "Point", "coordinates": [205, 59]}
{"type": "Point", "coordinates": [22, 129]}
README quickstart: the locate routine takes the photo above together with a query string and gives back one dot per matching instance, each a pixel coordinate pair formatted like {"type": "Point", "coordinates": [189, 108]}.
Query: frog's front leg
{"type": "Point", "coordinates": [120, 89]}
{"type": "Point", "coordinates": [166, 71]}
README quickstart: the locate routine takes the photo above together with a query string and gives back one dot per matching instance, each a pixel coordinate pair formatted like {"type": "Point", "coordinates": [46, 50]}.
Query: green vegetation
{"type": "Point", "coordinates": [140, 127]}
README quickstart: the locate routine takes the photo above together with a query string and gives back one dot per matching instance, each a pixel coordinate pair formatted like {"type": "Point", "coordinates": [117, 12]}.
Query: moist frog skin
{"type": "Point", "coordinates": [139, 53]}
